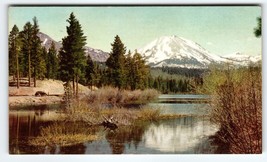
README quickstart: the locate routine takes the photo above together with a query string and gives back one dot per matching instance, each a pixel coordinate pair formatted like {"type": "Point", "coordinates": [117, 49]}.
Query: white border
{"type": "Point", "coordinates": [4, 153]}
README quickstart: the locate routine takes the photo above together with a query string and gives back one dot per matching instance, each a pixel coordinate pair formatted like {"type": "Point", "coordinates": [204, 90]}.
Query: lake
{"type": "Point", "coordinates": [186, 135]}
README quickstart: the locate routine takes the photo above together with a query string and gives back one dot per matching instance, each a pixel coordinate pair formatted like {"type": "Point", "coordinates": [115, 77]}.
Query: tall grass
{"type": "Point", "coordinates": [94, 114]}
{"type": "Point", "coordinates": [118, 97]}
{"type": "Point", "coordinates": [237, 107]}
{"type": "Point", "coordinates": [62, 135]}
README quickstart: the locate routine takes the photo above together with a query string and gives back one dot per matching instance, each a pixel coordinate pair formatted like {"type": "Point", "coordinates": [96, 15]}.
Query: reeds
{"type": "Point", "coordinates": [118, 97]}
{"type": "Point", "coordinates": [62, 135]}
{"type": "Point", "coordinates": [93, 114]}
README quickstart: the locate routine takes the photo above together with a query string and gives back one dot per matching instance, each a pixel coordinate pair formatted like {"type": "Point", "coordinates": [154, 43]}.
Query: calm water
{"type": "Point", "coordinates": [177, 136]}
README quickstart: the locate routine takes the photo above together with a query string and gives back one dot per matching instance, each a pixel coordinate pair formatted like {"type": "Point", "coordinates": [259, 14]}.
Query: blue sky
{"type": "Point", "coordinates": [219, 29]}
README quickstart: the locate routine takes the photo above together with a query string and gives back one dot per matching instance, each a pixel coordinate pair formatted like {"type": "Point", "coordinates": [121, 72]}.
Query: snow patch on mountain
{"type": "Point", "coordinates": [239, 58]}
{"type": "Point", "coordinates": [45, 41]}
{"type": "Point", "coordinates": [177, 51]}
{"type": "Point", "coordinates": [96, 54]}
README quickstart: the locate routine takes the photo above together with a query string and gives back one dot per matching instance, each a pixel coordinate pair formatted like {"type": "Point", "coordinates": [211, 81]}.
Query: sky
{"type": "Point", "coordinates": [222, 30]}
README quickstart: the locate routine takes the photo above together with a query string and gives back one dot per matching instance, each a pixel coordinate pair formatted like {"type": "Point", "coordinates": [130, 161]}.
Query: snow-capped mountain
{"type": "Point", "coordinates": [175, 51]}
{"type": "Point", "coordinates": [96, 54]}
{"type": "Point", "coordinates": [239, 58]}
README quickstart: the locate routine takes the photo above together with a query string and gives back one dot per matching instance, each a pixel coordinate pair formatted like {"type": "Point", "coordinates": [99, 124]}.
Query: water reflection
{"type": "Point", "coordinates": [186, 109]}
{"type": "Point", "coordinates": [183, 135]}
{"type": "Point", "coordinates": [25, 123]}
{"type": "Point", "coordinates": [131, 135]}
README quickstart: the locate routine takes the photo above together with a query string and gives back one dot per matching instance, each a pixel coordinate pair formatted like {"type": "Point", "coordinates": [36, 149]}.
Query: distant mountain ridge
{"type": "Point", "coordinates": [96, 54]}
{"type": "Point", "coordinates": [171, 51]}
{"type": "Point", "coordinates": [176, 51]}
{"type": "Point", "coordinates": [241, 59]}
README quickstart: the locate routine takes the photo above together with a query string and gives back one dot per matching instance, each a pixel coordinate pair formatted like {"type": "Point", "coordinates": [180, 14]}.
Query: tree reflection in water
{"type": "Point", "coordinates": [126, 135]}
{"type": "Point", "coordinates": [183, 135]}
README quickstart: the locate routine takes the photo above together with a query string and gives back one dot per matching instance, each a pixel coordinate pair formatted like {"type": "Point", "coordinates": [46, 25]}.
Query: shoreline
{"type": "Point", "coordinates": [33, 100]}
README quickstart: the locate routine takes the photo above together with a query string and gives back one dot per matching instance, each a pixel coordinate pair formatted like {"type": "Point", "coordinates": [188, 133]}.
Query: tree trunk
{"type": "Point", "coordinates": [17, 69]}
{"type": "Point", "coordinates": [34, 77]}
{"type": "Point", "coordinates": [29, 68]}
{"type": "Point", "coordinates": [73, 86]}
{"type": "Point", "coordinates": [77, 85]}
{"type": "Point", "coordinates": [34, 81]}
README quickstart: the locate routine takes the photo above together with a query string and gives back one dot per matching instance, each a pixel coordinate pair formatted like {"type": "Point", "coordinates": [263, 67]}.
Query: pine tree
{"type": "Point", "coordinates": [141, 71]}
{"type": "Point", "coordinates": [89, 71]}
{"type": "Point", "coordinates": [116, 62]}
{"type": "Point", "coordinates": [136, 71]}
{"type": "Point", "coordinates": [129, 72]}
{"type": "Point", "coordinates": [48, 61]}
{"type": "Point", "coordinates": [14, 48]}
{"type": "Point", "coordinates": [55, 62]}
{"type": "Point", "coordinates": [257, 30]}
{"type": "Point", "coordinates": [96, 75]}
{"type": "Point", "coordinates": [41, 70]}
{"type": "Point", "coordinates": [26, 38]}
{"type": "Point", "coordinates": [72, 55]}
{"type": "Point", "coordinates": [52, 62]}
{"type": "Point", "coordinates": [37, 60]}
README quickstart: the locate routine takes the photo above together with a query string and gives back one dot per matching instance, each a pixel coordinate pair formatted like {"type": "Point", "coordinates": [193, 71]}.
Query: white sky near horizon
{"type": "Point", "coordinates": [222, 30]}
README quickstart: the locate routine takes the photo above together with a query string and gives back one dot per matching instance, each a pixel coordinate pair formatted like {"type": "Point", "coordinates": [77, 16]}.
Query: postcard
{"type": "Point", "coordinates": [141, 79]}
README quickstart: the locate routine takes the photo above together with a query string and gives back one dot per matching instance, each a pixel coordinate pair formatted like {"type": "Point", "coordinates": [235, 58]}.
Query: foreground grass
{"type": "Point", "coordinates": [62, 135]}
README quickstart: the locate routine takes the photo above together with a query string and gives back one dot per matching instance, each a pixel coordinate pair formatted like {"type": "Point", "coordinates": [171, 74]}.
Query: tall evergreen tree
{"type": "Point", "coordinates": [26, 38]}
{"type": "Point", "coordinates": [129, 72]}
{"type": "Point", "coordinates": [116, 62]}
{"type": "Point", "coordinates": [72, 55]}
{"type": "Point", "coordinates": [257, 30]}
{"type": "Point", "coordinates": [52, 62]}
{"type": "Point", "coordinates": [37, 60]}
{"type": "Point", "coordinates": [55, 62]}
{"type": "Point", "coordinates": [41, 70]}
{"type": "Point", "coordinates": [96, 75]}
{"type": "Point", "coordinates": [89, 70]}
{"type": "Point", "coordinates": [14, 48]}
{"type": "Point", "coordinates": [136, 71]}
{"type": "Point", "coordinates": [140, 70]}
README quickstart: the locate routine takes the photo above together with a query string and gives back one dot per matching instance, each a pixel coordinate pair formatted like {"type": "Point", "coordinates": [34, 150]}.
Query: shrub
{"type": "Point", "coordinates": [118, 97]}
{"type": "Point", "coordinates": [237, 108]}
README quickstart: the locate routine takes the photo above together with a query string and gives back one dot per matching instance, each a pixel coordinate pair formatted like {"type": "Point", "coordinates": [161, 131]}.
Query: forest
{"type": "Point", "coordinates": [125, 70]}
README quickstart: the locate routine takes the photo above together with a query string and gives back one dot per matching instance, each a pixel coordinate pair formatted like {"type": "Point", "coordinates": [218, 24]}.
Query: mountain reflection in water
{"type": "Point", "coordinates": [183, 135]}
{"type": "Point", "coordinates": [189, 134]}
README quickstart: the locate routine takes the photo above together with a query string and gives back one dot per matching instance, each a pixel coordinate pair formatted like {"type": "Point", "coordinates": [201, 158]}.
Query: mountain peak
{"type": "Point", "coordinates": [185, 52]}
{"type": "Point", "coordinates": [96, 54]}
